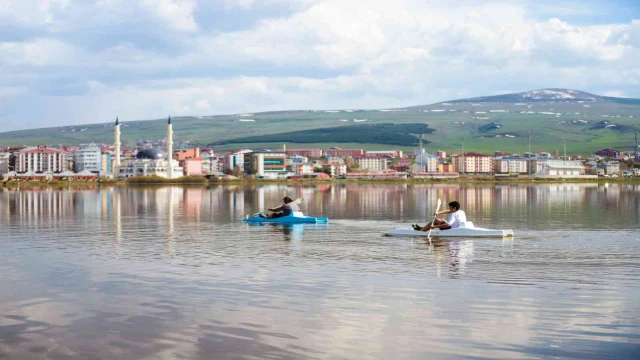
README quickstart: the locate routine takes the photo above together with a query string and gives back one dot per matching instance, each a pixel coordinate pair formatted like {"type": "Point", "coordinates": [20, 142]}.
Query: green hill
{"type": "Point", "coordinates": [488, 124]}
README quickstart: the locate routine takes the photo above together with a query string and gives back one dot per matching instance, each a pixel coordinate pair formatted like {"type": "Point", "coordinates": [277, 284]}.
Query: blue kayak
{"type": "Point", "coordinates": [293, 218]}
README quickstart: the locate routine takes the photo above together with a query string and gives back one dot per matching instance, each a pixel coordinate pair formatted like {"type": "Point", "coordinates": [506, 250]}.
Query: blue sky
{"type": "Point", "coordinates": [70, 62]}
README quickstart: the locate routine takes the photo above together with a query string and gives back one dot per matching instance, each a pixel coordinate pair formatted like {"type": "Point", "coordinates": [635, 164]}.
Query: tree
{"type": "Point", "coordinates": [237, 171]}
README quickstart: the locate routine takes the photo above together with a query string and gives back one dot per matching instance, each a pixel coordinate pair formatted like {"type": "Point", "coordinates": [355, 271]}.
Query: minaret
{"type": "Point", "coordinates": [116, 165]}
{"type": "Point", "coordinates": [284, 148]}
{"type": "Point", "coordinates": [169, 150]}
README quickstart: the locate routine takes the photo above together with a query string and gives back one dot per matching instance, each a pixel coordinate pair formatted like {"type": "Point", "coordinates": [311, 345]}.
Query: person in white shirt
{"type": "Point", "coordinates": [455, 219]}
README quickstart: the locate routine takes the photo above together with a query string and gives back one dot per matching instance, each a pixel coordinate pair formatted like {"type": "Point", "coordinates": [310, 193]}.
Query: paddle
{"type": "Point", "coordinates": [434, 217]}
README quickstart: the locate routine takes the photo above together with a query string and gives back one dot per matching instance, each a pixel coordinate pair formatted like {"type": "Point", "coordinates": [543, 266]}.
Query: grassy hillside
{"type": "Point", "coordinates": [384, 134]}
{"type": "Point", "coordinates": [485, 126]}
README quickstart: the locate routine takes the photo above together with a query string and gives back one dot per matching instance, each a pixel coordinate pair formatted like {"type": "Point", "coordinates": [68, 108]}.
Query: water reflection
{"type": "Point", "coordinates": [173, 272]}
{"type": "Point", "coordinates": [522, 205]}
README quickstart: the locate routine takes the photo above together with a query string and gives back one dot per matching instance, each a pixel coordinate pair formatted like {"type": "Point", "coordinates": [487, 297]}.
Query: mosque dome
{"type": "Point", "coordinates": [152, 154]}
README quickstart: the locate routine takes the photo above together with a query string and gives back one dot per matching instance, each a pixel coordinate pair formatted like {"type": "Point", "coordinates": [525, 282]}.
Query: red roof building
{"type": "Point", "coordinates": [41, 159]}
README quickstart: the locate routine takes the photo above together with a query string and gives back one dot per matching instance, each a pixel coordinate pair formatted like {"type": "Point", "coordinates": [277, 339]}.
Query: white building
{"type": "Point", "coordinates": [87, 159]}
{"type": "Point", "coordinates": [560, 168]}
{"type": "Point", "coordinates": [235, 158]}
{"type": "Point", "coordinates": [4, 163]}
{"type": "Point", "coordinates": [506, 165]}
{"type": "Point", "coordinates": [371, 163]}
{"type": "Point", "coordinates": [267, 164]}
{"type": "Point", "coordinates": [304, 169]}
{"type": "Point", "coordinates": [148, 162]}
{"type": "Point", "coordinates": [335, 169]}
{"type": "Point", "coordinates": [425, 163]}
{"type": "Point", "coordinates": [41, 159]}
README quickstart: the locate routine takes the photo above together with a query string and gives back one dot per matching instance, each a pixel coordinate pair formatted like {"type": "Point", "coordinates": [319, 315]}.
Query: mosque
{"type": "Point", "coordinates": [152, 161]}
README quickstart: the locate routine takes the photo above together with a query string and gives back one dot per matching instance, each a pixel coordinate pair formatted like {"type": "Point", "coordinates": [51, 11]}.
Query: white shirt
{"type": "Point", "coordinates": [456, 218]}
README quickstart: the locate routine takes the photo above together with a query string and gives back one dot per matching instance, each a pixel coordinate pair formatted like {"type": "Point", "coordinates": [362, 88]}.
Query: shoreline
{"type": "Point", "coordinates": [467, 179]}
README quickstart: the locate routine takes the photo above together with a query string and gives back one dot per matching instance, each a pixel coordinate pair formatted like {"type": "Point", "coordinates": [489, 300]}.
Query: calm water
{"type": "Point", "coordinates": [174, 273]}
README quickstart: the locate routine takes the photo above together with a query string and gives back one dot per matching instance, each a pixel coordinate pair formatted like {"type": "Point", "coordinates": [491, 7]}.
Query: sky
{"type": "Point", "coordinates": [70, 62]}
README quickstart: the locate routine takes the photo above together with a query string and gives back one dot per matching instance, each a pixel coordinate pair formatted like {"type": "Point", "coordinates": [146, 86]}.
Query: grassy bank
{"type": "Point", "coordinates": [201, 181]}
{"type": "Point", "coordinates": [155, 180]}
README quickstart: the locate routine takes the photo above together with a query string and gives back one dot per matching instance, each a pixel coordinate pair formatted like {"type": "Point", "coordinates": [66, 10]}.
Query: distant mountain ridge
{"type": "Point", "coordinates": [547, 95]}
{"type": "Point", "coordinates": [586, 122]}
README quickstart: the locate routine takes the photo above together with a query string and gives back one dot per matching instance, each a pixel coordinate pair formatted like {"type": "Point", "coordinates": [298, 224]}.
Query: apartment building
{"type": "Point", "coordinates": [88, 158]}
{"type": "Point", "coordinates": [371, 163]}
{"type": "Point", "coordinates": [472, 163]}
{"type": "Point", "coordinates": [307, 152]}
{"type": "Point", "coordinates": [4, 163]}
{"type": "Point", "coordinates": [235, 158]}
{"type": "Point", "coordinates": [41, 159]}
{"type": "Point", "coordinates": [510, 165]}
{"type": "Point", "coordinates": [266, 164]}
{"type": "Point", "coordinates": [337, 152]}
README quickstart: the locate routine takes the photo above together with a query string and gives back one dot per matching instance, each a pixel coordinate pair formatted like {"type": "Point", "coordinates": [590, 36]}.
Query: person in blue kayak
{"type": "Point", "coordinates": [285, 209]}
{"type": "Point", "coordinates": [456, 217]}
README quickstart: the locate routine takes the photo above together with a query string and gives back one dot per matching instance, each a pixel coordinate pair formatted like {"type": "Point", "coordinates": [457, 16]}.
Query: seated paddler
{"type": "Point", "coordinates": [284, 210]}
{"type": "Point", "coordinates": [456, 217]}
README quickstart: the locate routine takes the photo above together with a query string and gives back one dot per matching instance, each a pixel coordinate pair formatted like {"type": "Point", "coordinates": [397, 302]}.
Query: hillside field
{"type": "Point", "coordinates": [485, 127]}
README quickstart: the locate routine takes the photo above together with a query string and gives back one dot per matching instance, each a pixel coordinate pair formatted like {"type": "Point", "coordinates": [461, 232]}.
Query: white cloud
{"type": "Point", "coordinates": [325, 54]}
{"type": "Point", "coordinates": [39, 52]}
{"type": "Point", "coordinates": [178, 14]}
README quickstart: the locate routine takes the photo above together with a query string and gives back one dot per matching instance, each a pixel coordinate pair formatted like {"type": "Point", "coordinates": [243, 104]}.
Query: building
{"type": "Point", "coordinates": [445, 167]}
{"type": "Point", "coordinates": [308, 152]}
{"type": "Point", "coordinates": [337, 152]}
{"type": "Point", "coordinates": [293, 162]}
{"type": "Point", "coordinates": [4, 163]}
{"type": "Point", "coordinates": [88, 158]}
{"type": "Point", "coordinates": [441, 154]}
{"type": "Point", "coordinates": [472, 163]}
{"type": "Point", "coordinates": [148, 162]}
{"type": "Point", "coordinates": [371, 163]}
{"type": "Point", "coordinates": [192, 166]}
{"type": "Point", "coordinates": [266, 164]}
{"type": "Point", "coordinates": [510, 165]}
{"type": "Point", "coordinates": [107, 160]}
{"type": "Point", "coordinates": [388, 153]}
{"type": "Point", "coordinates": [559, 168]}
{"type": "Point", "coordinates": [41, 159]}
{"type": "Point", "coordinates": [304, 169]}
{"type": "Point", "coordinates": [608, 153]}
{"type": "Point", "coordinates": [235, 159]}
{"type": "Point", "coordinates": [425, 163]}
{"type": "Point", "coordinates": [610, 167]}
{"type": "Point", "coordinates": [335, 169]}
{"type": "Point", "coordinates": [184, 154]}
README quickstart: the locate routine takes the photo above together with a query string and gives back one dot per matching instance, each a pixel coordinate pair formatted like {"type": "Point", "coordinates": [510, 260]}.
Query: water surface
{"type": "Point", "coordinates": [172, 272]}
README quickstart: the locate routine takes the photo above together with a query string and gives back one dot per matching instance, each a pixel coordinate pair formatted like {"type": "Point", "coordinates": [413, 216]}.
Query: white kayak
{"type": "Point", "coordinates": [466, 229]}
